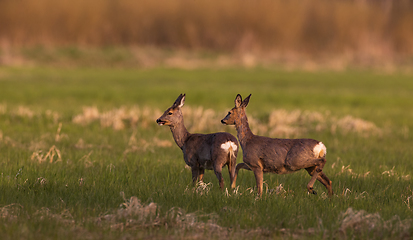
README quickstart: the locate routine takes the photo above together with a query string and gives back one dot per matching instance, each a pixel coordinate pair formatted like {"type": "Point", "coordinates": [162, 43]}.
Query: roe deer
{"type": "Point", "coordinates": [281, 156]}
{"type": "Point", "coordinates": [201, 151]}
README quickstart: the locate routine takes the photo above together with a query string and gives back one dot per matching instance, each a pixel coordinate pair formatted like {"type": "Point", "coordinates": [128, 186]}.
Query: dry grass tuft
{"type": "Point", "coordinates": [59, 136]}
{"type": "Point", "coordinates": [278, 190]}
{"type": "Point", "coordinates": [133, 214]}
{"type": "Point", "coordinates": [409, 200]}
{"type": "Point", "coordinates": [297, 123]}
{"type": "Point", "coordinates": [394, 174]}
{"type": "Point", "coordinates": [361, 221]}
{"type": "Point", "coordinates": [88, 115]}
{"type": "Point", "coordinates": [203, 188]}
{"type": "Point", "coordinates": [198, 118]}
{"type": "Point", "coordinates": [24, 112]}
{"type": "Point", "coordinates": [360, 126]}
{"type": "Point", "coordinates": [55, 116]}
{"type": "Point", "coordinates": [135, 145]}
{"type": "Point", "coordinates": [117, 118]}
{"type": "Point", "coordinates": [290, 124]}
{"type": "Point", "coordinates": [80, 144]}
{"type": "Point", "coordinates": [348, 170]}
{"type": "Point", "coordinates": [50, 155]}
{"type": "Point", "coordinates": [11, 211]}
{"type": "Point", "coordinates": [64, 218]}
{"type": "Point", "coordinates": [3, 108]}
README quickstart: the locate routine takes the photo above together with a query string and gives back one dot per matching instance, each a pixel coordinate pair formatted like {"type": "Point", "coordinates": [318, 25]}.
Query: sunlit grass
{"type": "Point", "coordinates": [86, 159]}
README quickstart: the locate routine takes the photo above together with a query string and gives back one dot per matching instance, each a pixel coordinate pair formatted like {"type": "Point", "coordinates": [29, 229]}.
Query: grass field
{"type": "Point", "coordinates": [82, 157]}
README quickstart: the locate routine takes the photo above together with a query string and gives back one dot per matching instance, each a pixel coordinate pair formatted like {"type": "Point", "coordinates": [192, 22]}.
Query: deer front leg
{"type": "Point", "coordinates": [259, 177]}
{"type": "Point", "coordinates": [195, 174]}
{"type": "Point", "coordinates": [201, 175]}
{"type": "Point", "coordinates": [240, 166]}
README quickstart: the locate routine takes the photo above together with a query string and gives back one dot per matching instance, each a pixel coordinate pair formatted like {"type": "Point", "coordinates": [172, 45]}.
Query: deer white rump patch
{"type": "Point", "coordinates": [320, 150]}
{"type": "Point", "coordinates": [229, 145]}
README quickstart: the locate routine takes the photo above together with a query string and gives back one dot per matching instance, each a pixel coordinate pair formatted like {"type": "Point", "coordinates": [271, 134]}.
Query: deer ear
{"type": "Point", "coordinates": [238, 101]}
{"type": "Point", "coordinates": [246, 101]}
{"type": "Point", "coordinates": [181, 103]}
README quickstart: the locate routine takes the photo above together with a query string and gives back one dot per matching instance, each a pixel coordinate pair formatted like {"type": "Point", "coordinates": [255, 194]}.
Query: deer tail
{"type": "Point", "coordinates": [231, 147]}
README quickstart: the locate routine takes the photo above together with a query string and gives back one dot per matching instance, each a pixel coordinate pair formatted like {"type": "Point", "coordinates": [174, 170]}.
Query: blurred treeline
{"type": "Point", "coordinates": [310, 27]}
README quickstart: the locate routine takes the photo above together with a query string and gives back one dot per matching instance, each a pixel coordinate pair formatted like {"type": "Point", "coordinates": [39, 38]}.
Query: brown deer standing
{"type": "Point", "coordinates": [202, 151]}
{"type": "Point", "coordinates": [281, 156]}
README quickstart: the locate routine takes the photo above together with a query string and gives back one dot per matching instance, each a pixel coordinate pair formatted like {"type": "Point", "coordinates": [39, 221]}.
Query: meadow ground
{"type": "Point", "coordinates": [82, 157]}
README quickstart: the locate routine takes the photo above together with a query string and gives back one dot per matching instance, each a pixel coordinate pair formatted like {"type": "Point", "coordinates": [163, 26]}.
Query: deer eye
{"type": "Point", "coordinates": [169, 113]}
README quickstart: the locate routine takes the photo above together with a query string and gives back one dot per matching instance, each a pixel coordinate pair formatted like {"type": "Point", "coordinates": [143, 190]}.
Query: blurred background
{"type": "Point", "coordinates": [312, 34]}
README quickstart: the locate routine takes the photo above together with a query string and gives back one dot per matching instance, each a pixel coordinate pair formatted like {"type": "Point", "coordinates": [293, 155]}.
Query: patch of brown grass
{"type": "Point", "coordinates": [361, 221]}
{"type": "Point", "coordinates": [117, 118]}
{"type": "Point", "coordinates": [132, 214]}
{"type": "Point", "coordinates": [281, 123]}
{"type": "Point", "coordinates": [11, 211]}
{"type": "Point", "coordinates": [310, 34]}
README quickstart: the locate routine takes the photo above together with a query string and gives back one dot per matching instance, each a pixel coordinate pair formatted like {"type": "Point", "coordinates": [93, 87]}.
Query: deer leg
{"type": "Point", "coordinates": [239, 166]}
{"type": "Point", "coordinates": [310, 184]}
{"type": "Point", "coordinates": [201, 174]}
{"type": "Point", "coordinates": [231, 171]}
{"type": "Point", "coordinates": [314, 172]}
{"type": "Point", "coordinates": [195, 174]}
{"type": "Point", "coordinates": [326, 182]}
{"type": "Point", "coordinates": [217, 170]}
{"type": "Point", "coordinates": [259, 178]}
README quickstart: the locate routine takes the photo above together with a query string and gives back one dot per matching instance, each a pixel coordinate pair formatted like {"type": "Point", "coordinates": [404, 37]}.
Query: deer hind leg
{"type": "Point", "coordinates": [314, 172]}
{"type": "Point", "coordinates": [326, 182]}
{"type": "Point", "coordinates": [217, 170]}
{"type": "Point", "coordinates": [231, 170]}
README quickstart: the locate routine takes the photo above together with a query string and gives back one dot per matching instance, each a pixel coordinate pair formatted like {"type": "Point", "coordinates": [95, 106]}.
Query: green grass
{"type": "Point", "coordinates": [64, 199]}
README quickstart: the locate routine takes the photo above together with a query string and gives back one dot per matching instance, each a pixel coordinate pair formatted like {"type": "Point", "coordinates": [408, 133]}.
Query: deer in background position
{"type": "Point", "coordinates": [201, 151]}
{"type": "Point", "coordinates": [281, 156]}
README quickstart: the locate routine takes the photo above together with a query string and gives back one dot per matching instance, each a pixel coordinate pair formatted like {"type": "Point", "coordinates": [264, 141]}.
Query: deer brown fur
{"type": "Point", "coordinates": [201, 151]}
{"type": "Point", "coordinates": [275, 155]}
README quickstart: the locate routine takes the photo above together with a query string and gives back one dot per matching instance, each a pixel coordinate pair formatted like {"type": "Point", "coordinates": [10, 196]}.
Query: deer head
{"type": "Point", "coordinates": [237, 111]}
{"type": "Point", "coordinates": [173, 115]}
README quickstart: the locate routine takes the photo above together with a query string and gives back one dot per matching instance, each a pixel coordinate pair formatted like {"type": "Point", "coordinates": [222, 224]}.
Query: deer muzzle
{"type": "Point", "coordinates": [160, 122]}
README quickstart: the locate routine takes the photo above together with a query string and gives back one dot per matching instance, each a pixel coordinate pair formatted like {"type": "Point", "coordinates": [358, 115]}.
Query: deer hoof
{"type": "Point", "coordinates": [311, 190]}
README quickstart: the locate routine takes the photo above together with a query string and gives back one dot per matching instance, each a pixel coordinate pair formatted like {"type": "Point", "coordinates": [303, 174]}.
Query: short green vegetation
{"type": "Point", "coordinates": [81, 156]}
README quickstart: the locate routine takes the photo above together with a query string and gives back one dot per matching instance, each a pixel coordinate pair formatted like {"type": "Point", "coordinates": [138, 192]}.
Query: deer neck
{"type": "Point", "coordinates": [244, 132]}
{"type": "Point", "coordinates": [180, 134]}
